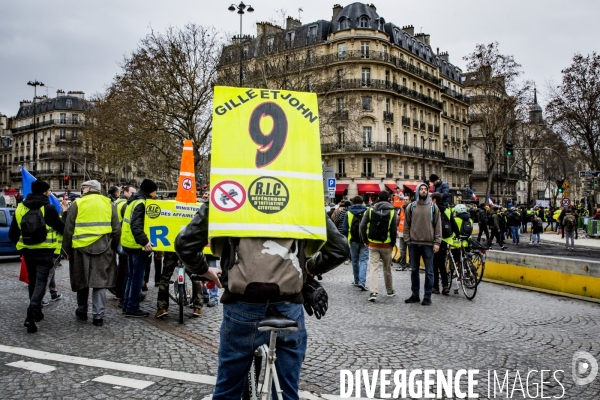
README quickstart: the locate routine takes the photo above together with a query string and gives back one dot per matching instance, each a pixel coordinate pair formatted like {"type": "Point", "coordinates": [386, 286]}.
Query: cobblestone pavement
{"type": "Point", "coordinates": [503, 328]}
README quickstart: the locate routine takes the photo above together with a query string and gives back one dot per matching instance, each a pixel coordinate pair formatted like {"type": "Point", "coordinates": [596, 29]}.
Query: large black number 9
{"type": "Point", "coordinates": [270, 143]}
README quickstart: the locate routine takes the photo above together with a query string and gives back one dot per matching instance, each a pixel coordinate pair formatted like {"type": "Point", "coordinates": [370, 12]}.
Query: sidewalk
{"type": "Point", "coordinates": [552, 237]}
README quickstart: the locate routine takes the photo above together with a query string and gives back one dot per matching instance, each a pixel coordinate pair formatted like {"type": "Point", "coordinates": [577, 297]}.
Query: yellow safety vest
{"type": "Point", "coordinates": [49, 243]}
{"type": "Point", "coordinates": [127, 239]}
{"type": "Point", "coordinates": [350, 218]}
{"type": "Point", "coordinates": [388, 240]}
{"type": "Point", "coordinates": [206, 250]}
{"type": "Point", "coordinates": [120, 203]}
{"type": "Point", "coordinates": [94, 214]}
{"type": "Point", "coordinates": [456, 242]}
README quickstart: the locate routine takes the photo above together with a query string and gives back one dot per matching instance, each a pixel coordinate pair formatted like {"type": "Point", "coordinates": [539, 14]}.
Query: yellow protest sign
{"type": "Point", "coordinates": [266, 171]}
{"type": "Point", "coordinates": [165, 219]}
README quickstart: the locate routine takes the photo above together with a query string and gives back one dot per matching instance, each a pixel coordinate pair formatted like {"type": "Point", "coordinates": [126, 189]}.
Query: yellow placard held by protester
{"type": "Point", "coordinates": [266, 174]}
{"type": "Point", "coordinates": [165, 219]}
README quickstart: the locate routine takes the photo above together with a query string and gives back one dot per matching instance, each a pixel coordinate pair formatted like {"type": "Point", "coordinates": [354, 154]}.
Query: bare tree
{"type": "Point", "coordinates": [574, 107]}
{"type": "Point", "coordinates": [498, 102]}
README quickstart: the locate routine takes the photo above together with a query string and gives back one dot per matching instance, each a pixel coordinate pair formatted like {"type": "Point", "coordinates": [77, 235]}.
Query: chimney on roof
{"type": "Point", "coordinates": [423, 38]}
{"type": "Point", "coordinates": [336, 10]}
{"type": "Point", "coordinates": [445, 56]}
{"type": "Point", "coordinates": [373, 7]}
{"type": "Point", "coordinates": [24, 103]}
{"type": "Point", "coordinates": [60, 92]}
{"type": "Point", "coordinates": [292, 23]}
{"type": "Point", "coordinates": [409, 29]}
{"type": "Point", "coordinates": [77, 94]}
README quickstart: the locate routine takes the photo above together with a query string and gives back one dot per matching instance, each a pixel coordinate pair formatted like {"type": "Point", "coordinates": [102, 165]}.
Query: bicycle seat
{"type": "Point", "coordinates": [275, 321]}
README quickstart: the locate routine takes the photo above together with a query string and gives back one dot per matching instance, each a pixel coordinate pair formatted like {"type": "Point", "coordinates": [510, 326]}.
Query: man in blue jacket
{"type": "Point", "coordinates": [358, 250]}
{"type": "Point", "coordinates": [440, 187]}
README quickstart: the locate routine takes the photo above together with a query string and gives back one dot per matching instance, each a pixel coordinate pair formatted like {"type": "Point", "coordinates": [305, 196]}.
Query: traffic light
{"type": "Point", "coordinates": [559, 184]}
{"type": "Point", "coordinates": [509, 149]}
{"type": "Point", "coordinates": [66, 181]}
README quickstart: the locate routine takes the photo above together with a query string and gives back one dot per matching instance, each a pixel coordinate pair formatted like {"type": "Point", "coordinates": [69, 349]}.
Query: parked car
{"type": "Point", "coordinates": [7, 248]}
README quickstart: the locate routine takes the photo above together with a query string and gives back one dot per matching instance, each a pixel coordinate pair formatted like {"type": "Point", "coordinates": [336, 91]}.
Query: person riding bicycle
{"type": "Point", "coordinates": [462, 225]}
{"type": "Point", "coordinates": [243, 309]}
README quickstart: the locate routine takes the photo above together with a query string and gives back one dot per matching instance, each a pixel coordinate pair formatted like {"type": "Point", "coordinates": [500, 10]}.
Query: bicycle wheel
{"type": "Point", "coordinates": [450, 271]}
{"type": "Point", "coordinates": [248, 387]}
{"type": "Point", "coordinates": [468, 281]}
{"type": "Point", "coordinates": [181, 290]}
{"type": "Point", "coordinates": [479, 262]}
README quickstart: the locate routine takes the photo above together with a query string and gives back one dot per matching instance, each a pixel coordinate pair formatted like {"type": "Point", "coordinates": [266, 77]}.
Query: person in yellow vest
{"type": "Point", "coordinates": [126, 192]}
{"type": "Point", "coordinates": [91, 236]}
{"type": "Point", "coordinates": [33, 230]}
{"type": "Point", "coordinates": [461, 216]}
{"type": "Point", "coordinates": [378, 230]}
{"type": "Point", "coordinates": [137, 246]}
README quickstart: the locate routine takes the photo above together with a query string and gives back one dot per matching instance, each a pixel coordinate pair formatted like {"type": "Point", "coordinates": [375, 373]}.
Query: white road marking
{"type": "Point", "coordinates": [91, 362]}
{"type": "Point", "coordinates": [32, 366]}
{"type": "Point", "coordinates": [120, 381]}
{"type": "Point", "coordinates": [334, 397]}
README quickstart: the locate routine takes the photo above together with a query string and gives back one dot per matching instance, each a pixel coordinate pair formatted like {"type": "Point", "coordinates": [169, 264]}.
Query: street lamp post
{"type": "Point", "coordinates": [423, 140]}
{"type": "Point", "coordinates": [35, 84]}
{"type": "Point", "coordinates": [240, 10]}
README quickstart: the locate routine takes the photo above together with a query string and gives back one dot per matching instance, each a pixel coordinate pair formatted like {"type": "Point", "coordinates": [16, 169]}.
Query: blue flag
{"type": "Point", "coordinates": [27, 179]}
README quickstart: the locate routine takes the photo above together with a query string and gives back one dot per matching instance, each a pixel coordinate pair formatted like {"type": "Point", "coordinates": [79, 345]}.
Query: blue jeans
{"type": "Point", "coordinates": [514, 232]}
{"type": "Point", "coordinates": [136, 268]}
{"type": "Point", "coordinates": [536, 237]}
{"type": "Point", "coordinates": [360, 259]}
{"type": "Point", "coordinates": [417, 251]}
{"type": "Point", "coordinates": [240, 337]}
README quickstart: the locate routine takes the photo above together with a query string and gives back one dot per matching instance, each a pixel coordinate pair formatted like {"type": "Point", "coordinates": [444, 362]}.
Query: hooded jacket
{"type": "Point", "coordinates": [355, 209]}
{"type": "Point", "coordinates": [393, 228]}
{"type": "Point", "coordinates": [418, 227]}
{"type": "Point", "coordinates": [35, 201]}
{"type": "Point", "coordinates": [443, 189]}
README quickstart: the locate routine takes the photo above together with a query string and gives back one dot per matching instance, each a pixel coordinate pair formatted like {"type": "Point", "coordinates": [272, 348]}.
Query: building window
{"type": "Point", "coordinates": [384, 50]}
{"type": "Point", "coordinates": [270, 42]}
{"type": "Point", "coordinates": [341, 166]}
{"type": "Point", "coordinates": [75, 118]}
{"type": "Point", "coordinates": [380, 24]}
{"type": "Point", "coordinates": [63, 133]}
{"type": "Point", "coordinates": [404, 82]}
{"type": "Point", "coordinates": [340, 104]}
{"type": "Point", "coordinates": [367, 171]}
{"type": "Point", "coordinates": [388, 166]}
{"type": "Point", "coordinates": [367, 130]}
{"type": "Point", "coordinates": [445, 151]}
{"type": "Point", "coordinates": [388, 105]}
{"type": "Point", "coordinates": [405, 139]}
{"type": "Point", "coordinates": [290, 36]}
{"type": "Point", "coordinates": [69, 104]}
{"type": "Point", "coordinates": [312, 31]}
{"type": "Point", "coordinates": [366, 103]}
{"type": "Point", "coordinates": [445, 130]}
{"type": "Point", "coordinates": [415, 140]}
{"type": "Point", "coordinates": [74, 133]}
{"type": "Point", "coordinates": [341, 136]}
{"type": "Point", "coordinates": [389, 136]}
{"type": "Point", "coordinates": [63, 118]}
{"type": "Point", "coordinates": [341, 51]}
{"type": "Point", "coordinates": [344, 23]}
{"type": "Point", "coordinates": [364, 49]}
{"type": "Point", "coordinates": [364, 22]}
{"type": "Point", "coordinates": [366, 76]}
{"type": "Point", "coordinates": [404, 111]}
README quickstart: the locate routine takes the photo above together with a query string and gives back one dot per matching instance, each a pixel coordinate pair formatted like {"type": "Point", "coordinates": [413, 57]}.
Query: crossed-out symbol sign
{"type": "Point", "coordinates": [566, 201]}
{"type": "Point", "coordinates": [228, 196]}
{"type": "Point", "coordinates": [186, 183]}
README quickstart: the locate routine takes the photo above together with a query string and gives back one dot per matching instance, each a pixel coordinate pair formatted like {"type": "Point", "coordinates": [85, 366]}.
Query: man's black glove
{"type": "Point", "coordinates": [315, 298]}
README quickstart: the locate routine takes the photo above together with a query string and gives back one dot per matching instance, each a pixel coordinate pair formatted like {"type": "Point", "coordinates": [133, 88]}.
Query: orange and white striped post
{"type": "Point", "coordinates": [186, 188]}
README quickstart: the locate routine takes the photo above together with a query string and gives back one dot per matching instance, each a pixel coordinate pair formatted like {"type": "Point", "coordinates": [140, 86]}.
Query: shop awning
{"type": "Point", "coordinates": [413, 187]}
{"type": "Point", "coordinates": [368, 188]}
{"type": "Point", "coordinates": [391, 186]}
{"type": "Point", "coordinates": [340, 188]}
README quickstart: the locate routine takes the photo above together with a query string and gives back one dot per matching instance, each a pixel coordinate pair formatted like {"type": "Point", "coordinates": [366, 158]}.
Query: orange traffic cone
{"type": "Point", "coordinates": [186, 188]}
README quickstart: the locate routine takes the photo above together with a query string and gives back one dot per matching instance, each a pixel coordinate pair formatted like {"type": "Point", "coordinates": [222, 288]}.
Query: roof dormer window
{"type": "Point", "coordinates": [312, 31]}
{"type": "Point", "coordinates": [344, 23]}
{"type": "Point", "coordinates": [363, 22]}
{"type": "Point", "coordinates": [69, 104]}
{"type": "Point", "coordinates": [380, 24]}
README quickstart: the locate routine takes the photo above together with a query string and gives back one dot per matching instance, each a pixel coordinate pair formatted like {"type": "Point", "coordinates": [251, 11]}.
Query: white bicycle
{"type": "Point", "coordinates": [273, 322]}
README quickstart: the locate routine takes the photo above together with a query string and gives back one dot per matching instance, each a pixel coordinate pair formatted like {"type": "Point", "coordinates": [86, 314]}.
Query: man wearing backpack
{"type": "Point", "coordinates": [92, 233]}
{"type": "Point", "coordinates": [439, 258]}
{"type": "Point", "coordinates": [496, 229]}
{"type": "Point", "coordinates": [34, 231]}
{"type": "Point", "coordinates": [359, 253]}
{"type": "Point", "coordinates": [378, 230]}
{"type": "Point", "coordinates": [423, 234]}
{"type": "Point", "coordinates": [482, 219]}
{"type": "Point", "coordinates": [569, 224]}
{"type": "Point", "coordinates": [462, 226]}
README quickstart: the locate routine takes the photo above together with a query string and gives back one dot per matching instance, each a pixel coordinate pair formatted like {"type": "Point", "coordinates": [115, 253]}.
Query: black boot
{"type": "Point", "coordinates": [30, 321]}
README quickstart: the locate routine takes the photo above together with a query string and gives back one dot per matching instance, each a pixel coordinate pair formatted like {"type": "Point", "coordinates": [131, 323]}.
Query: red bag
{"type": "Point", "coordinates": [23, 275]}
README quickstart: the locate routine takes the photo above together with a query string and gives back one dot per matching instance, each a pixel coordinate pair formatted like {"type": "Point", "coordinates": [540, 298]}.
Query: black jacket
{"type": "Point", "coordinates": [191, 241]}
{"type": "Point", "coordinates": [35, 202]}
{"type": "Point", "coordinates": [137, 219]}
{"type": "Point", "coordinates": [393, 228]}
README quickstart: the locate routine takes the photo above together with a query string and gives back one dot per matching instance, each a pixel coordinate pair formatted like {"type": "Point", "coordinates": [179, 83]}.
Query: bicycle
{"type": "Point", "coordinates": [467, 276]}
{"type": "Point", "coordinates": [479, 254]}
{"type": "Point", "coordinates": [273, 322]}
{"type": "Point", "coordinates": [180, 293]}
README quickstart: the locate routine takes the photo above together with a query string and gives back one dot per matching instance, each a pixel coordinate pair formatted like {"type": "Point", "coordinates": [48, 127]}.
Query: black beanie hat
{"type": "Point", "coordinates": [433, 177]}
{"type": "Point", "coordinates": [383, 195]}
{"type": "Point", "coordinates": [113, 190]}
{"type": "Point", "coordinates": [148, 186]}
{"type": "Point", "coordinates": [39, 187]}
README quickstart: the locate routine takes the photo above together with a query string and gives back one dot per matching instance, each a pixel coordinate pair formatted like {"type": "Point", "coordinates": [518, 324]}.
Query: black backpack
{"type": "Point", "coordinates": [379, 226]}
{"type": "Point", "coordinates": [446, 226]}
{"type": "Point", "coordinates": [33, 227]}
{"type": "Point", "coordinates": [355, 228]}
{"type": "Point", "coordinates": [466, 229]}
